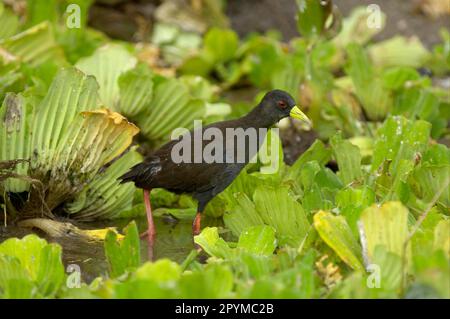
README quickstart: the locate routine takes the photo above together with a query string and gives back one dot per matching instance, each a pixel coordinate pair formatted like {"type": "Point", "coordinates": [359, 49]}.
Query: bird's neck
{"type": "Point", "coordinates": [255, 118]}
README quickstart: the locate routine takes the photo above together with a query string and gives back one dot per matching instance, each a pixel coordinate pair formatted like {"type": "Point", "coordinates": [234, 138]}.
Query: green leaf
{"type": "Point", "coordinates": [258, 240]}
{"type": "Point", "coordinates": [312, 17]}
{"type": "Point", "coordinates": [429, 180]}
{"type": "Point", "coordinates": [336, 233]}
{"type": "Point", "coordinates": [215, 281]}
{"type": "Point", "coordinates": [431, 272]}
{"type": "Point", "coordinates": [171, 108]}
{"type": "Point", "coordinates": [289, 76]}
{"type": "Point", "coordinates": [9, 22]}
{"type": "Point", "coordinates": [220, 45]}
{"type": "Point", "coordinates": [319, 186]}
{"type": "Point", "coordinates": [352, 201]}
{"type": "Point", "coordinates": [399, 139]}
{"type": "Point", "coordinates": [107, 64]}
{"type": "Point", "coordinates": [348, 158]}
{"type": "Point", "coordinates": [32, 259]}
{"type": "Point", "coordinates": [152, 280]}
{"type": "Point", "coordinates": [279, 210]}
{"type": "Point", "coordinates": [437, 154]}
{"type": "Point", "coordinates": [28, 250]}
{"type": "Point", "coordinates": [15, 121]}
{"type": "Point", "coordinates": [441, 236]}
{"type": "Point", "coordinates": [136, 90]}
{"type": "Point", "coordinates": [316, 152]}
{"type": "Point", "coordinates": [42, 10]}
{"type": "Point", "coordinates": [123, 254]}
{"type": "Point", "coordinates": [375, 99]}
{"type": "Point", "coordinates": [395, 78]}
{"type": "Point", "coordinates": [74, 144]}
{"type": "Point", "coordinates": [15, 282]}
{"type": "Point", "coordinates": [386, 225]}
{"type": "Point", "coordinates": [36, 45]}
{"type": "Point", "coordinates": [210, 241]}
{"type": "Point", "coordinates": [417, 103]}
{"type": "Point", "coordinates": [264, 58]}
{"type": "Point", "coordinates": [161, 271]}
{"type": "Point", "coordinates": [399, 51]}
{"type": "Point", "coordinates": [104, 197]}
{"type": "Point", "coordinates": [70, 93]}
{"type": "Point", "coordinates": [391, 268]}
{"type": "Point", "coordinates": [242, 214]}
{"type": "Point", "coordinates": [355, 28]}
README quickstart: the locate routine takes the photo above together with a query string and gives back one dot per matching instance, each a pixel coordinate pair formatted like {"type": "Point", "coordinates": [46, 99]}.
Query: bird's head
{"type": "Point", "coordinates": [278, 104]}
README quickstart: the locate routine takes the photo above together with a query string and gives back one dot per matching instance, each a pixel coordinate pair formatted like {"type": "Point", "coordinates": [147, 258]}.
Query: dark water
{"type": "Point", "coordinates": [173, 241]}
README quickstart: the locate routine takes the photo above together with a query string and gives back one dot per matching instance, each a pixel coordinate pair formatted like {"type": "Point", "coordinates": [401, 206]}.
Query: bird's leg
{"type": "Point", "coordinates": [196, 224]}
{"type": "Point", "coordinates": [151, 232]}
{"type": "Point", "coordinates": [196, 229]}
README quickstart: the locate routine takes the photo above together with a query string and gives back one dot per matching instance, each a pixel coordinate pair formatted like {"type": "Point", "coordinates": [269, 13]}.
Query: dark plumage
{"type": "Point", "coordinates": [206, 180]}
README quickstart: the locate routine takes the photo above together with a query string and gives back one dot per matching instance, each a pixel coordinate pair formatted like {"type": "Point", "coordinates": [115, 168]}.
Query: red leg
{"type": "Point", "coordinates": [151, 232]}
{"type": "Point", "coordinates": [196, 224]}
{"type": "Point", "coordinates": [196, 229]}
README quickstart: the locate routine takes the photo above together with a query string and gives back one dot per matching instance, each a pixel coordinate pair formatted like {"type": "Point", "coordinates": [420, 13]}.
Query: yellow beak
{"type": "Point", "coordinates": [296, 113]}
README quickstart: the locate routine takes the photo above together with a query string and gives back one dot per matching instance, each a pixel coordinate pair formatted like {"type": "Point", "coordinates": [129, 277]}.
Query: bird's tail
{"type": "Point", "coordinates": [134, 173]}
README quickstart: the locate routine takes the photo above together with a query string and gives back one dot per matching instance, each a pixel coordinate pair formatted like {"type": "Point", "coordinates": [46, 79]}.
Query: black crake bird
{"type": "Point", "coordinates": [206, 179]}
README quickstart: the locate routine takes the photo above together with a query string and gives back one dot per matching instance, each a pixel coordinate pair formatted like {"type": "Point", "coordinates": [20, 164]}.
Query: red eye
{"type": "Point", "coordinates": [282, 104]}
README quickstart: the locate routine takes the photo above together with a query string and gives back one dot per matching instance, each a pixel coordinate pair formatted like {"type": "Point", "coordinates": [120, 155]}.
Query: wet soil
{"type": "Point", "coordinates": [132, 19]}
{"type": "Point", "coordinates": [403, 17]}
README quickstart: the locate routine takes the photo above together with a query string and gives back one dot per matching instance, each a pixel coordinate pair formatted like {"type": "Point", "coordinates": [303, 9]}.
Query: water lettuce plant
{"type": "Point", "coordinates": [362, 213]}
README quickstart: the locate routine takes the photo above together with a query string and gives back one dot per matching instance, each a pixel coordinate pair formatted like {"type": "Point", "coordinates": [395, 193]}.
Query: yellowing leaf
{"type": "Point", "coordinates": [442, 236]}
{"type": "Point", "coordinates": [386, 225]}
{"type": "Point", "coordinates": [335, 231]}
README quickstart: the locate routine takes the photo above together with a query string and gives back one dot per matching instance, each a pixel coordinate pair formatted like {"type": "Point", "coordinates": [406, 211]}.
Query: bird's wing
{"type": "Point", "coordinates": [188, 176]}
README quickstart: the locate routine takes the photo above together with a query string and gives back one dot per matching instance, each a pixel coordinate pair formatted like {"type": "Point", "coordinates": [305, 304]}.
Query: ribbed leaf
{"type": "Point", "coordinates": [242, 215]}
{"type": "Point", "coordinates": [104, 197]}
{"type": "Point", "coordinates": [316, 152]}
{"type": "Point", "coordinates": [348, 158]}
{"type": "Point", "coordinates": [399, 51]}
{"type": "Point", "coordinates": [70, 93]}
{"type": "Point", "coordinates": [220, 45]}
{"type": "Point", "coordinates": [335, 231]}
{"type": "Point", "coordinates": [93, 139]}
{"type": "Point", "coordinates": [213, 245]}
{"type": "Point", "coordinates": [429, 180]}
{"type": "Point", "coordinates": [356, 28]}
{"type": "Point", "coordinates": [171, 108]}
{"type": "Point", "coordinates": [123, 255]}
{"type": "Point", "coordinates": [9, 23]}
{"type": "Point", "coordinates": [375, 99]}
{"type": "Point", "coordinates": [15, 122]}
{"type": "Point", "coordinates": [15, 282]}
{"type": "Point", "coordinates": [136, 90]}
{"type": "Point", "coordinates": [441, 236]}
{"type": "Point", "coordinates": [35, 260]}
{"type": "Point", "coordinates": [273, 207]}
{"type": "Point", "coordinates": [107, 64]}
{"type": "Point", "coordinates": [35, 45]}
{"type": "Point", "coordinates": [399, 139]}
{"type": "Point", "coordinates": [258, 240]}
{"type": "Point", "coordinates": [279, 210]}
{"type": "Point", "coordinates": [386, 226]}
